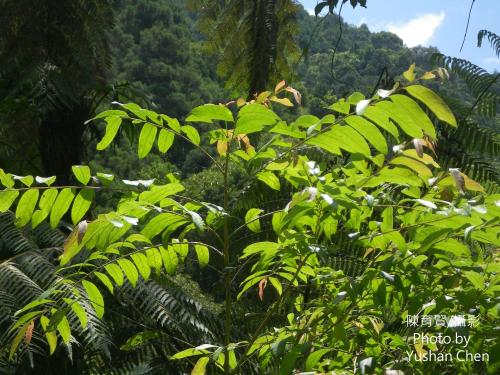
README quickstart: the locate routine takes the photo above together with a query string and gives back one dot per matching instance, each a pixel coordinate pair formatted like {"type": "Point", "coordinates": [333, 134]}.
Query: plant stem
{"type": "Point", "coordinates": [227, 274]}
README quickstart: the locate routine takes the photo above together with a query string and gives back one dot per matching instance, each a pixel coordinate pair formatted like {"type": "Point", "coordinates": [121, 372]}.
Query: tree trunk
{"type": "Point", "coordinates": [263, 58]}
{"type": "Point", "coordinates": [60, 141]}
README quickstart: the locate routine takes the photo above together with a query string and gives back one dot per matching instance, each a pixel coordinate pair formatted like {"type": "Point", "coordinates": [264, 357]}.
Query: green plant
{"type": "Point", "coordinates": [475, 145]}
{"type": "Point", "coordinates": [422, 239]}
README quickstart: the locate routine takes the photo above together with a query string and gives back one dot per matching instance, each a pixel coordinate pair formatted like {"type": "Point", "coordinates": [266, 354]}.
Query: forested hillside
{"type": "Point", "coordinates": [157, 46]}
{"type": "Point", "coordinates": [158, 50]}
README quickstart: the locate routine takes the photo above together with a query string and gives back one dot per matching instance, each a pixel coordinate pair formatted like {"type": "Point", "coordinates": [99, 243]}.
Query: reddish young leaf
{"type": "Point", "coordinates": [29, 332]}
{"type": "Point", "coordinates": [262, 286]}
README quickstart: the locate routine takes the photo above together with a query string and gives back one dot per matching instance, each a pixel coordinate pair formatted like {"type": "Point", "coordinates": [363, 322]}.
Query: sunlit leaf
{"type": "Point", "coordinates": [95, 297]}
{"type": "Point", "coordinates": [433, 102]}
{"type": "Point", "coordinates": [26, 206]}
{"type": "Point", "coordinates": [146, 139]}
{"type": "Point", "coordinates": [82, 173]}
{"type": "Point", "coordinates": [113, 124]}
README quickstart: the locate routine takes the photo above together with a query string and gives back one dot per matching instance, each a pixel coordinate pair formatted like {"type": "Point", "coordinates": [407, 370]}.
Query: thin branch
{"type": "Point", "coordinates": [308, 45]}
{"type": "Point", "coordinates": [334, 52]}
{"type": "Point", "coordinates": [467, 27]}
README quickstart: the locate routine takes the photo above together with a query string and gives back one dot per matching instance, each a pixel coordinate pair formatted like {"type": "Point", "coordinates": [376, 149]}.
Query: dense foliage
{"type": "Point", "coordinates": [422, 238]}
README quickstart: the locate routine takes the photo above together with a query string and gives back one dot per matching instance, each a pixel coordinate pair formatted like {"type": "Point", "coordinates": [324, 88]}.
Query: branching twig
{"type": "Point", "coordinates": [467, 27]}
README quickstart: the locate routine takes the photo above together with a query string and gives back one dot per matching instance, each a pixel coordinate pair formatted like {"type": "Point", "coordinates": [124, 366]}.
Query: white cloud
{"type": "Point", "coordinates": [419, 30]}
{"type": "Point", "coordinates": [363, 20]}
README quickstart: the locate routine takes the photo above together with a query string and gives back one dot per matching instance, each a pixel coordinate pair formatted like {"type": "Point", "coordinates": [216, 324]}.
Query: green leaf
{"type": "Point", "coordinates": [200, 368]}
{"type": "Point", "coordinates": [197, 220]}
{"type": "Point", "coordinates": [26, 206]}
{"type": "Point", "coordinates": [326, 142]}
{"type": "Point", "coordinates": [276, 284]}
{"type": "Point", "coordinates": [47, 181]}
{"type": "Point", "coordinates": [141, 262]}
{"type": "Point", "coordinates": [50, 336]}
{"type": "Point", "coordinates": [433, 102]}
{"type": "Point", "coordinates": [400, 176]}
{"type": "Point", "coordinates": [203, 254]}
{"type": "Point", "coordinates": [476, 279]}
{"type": "Point", "coordinates": [313, 358]}
{"type": "Point", "coordinates": [108, 113]}
{"type": "Point", "coordinates": [64, 329]}
{"type": "Point", "coordinates": [413, 164]}
{"type": "Point", "coordinates": [82, 173]}
{"type": "Point", "coordinates": [348, 139]}
{"type": "Point", "coordinates": [253, 118]}
{"type": "Point", "coordinates": [355, 98]}
{"type": "Point", "coordinates": [95, 297]}
{"type": "Point", "coordinates": [170, 259]}
{"type": "Point", "coordinates": [6, 179]}
{"type": "Point", "coordinates": [165, 140]}
{"type": "Point", "coordinates": [61, 205]}
{"type": "Point", "coordinates": [26, 180]}
{"type": "Point", "coordinates": [165, 221]}
{"type": "Point", "coordinates": [146, 140]}
{"type": "Point", "coordinates": [387, 219]}
{"type": "Point", "coordinates": [210, 112]}
{"type": "Point", "coordinates": [191, 352]}
{"type": "Point", "coordinates": [129, 270]}
{"type": "Point", "coordinates": [258, 247]}
{"type": "Point", "coordinates": [291, 131]}
{"type": "Point", "coordinates": [113, 124]}
{"type": "Point", "coordinates": [115, 272]}
{"type": "Point", "coordinates": [172, 123]}
{"type": "Point", "coordinates": [398, 114]}
{"type": "Point", "coordinates": [341, 107]}
{"type": "Point", "coordinates": [410, 73]}
{"type": "Point", "coordinates": [105, 280]}
{"type": "Point", "coordinates": [381, 118]}
{"type": "Point", "coordinates": [270, 179]}
{"type": "Point", "coordinates": [52, 341]}
{"type": "Point", "coordinates": [17, 340]}
{"type": "Point", "coordinates": [25, 318]}
{"type": "Point", "coordinates": [181, 248]}
{"type": "Point", "coordinates": [253, 280]}
{"type": "Point", "coordinates": [154, 259]}
{"type": "Point", "coordinates": [192, 134]}
{"type": "Point", "coordinates": [105, 178]}
{"type": "Point", "coordinates": [252, 219]}
{"type": "Point", "coordinates": [46, 202]}
{"type": "Point", "coordinates": [30, 305]}
{"type": "Point", "coordinates": [138, 340]}
{"type": "Point", "coordinates": [81, 205]}
{"type": "Point", "coordinates": [418, 114]}
{"type": "Point", "coordinates": [157, 193]}
{"type": "Point", "coordinates": [7, 197]}
{"type": "Point", "coordinates": [369, 131]}
{"type": "Point", "coordinates": [289, 359]}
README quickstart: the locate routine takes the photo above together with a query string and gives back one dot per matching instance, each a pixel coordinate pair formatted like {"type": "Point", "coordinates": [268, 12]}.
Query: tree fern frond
{"type": "Point", "coordinates": [493, 38]}
{"type": "Point", "coordinates": [482, 84]}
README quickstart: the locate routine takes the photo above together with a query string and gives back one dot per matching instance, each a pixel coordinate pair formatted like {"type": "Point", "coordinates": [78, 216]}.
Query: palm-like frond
{"type": "Point", "coordinates": [475, 144]}
{"type": "Point", "coordinates": [493, 38]}
{"type": "Point", "coordinates": [257, 27]}
{"type": "Point", "coordinates": [483, 85]}
{"type": "Point", "coordinates": [28, 267]}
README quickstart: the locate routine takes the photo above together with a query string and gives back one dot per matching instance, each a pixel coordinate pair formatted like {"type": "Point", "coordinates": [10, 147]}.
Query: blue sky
{"type": "Point", "coordinates": [439, 23]}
